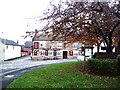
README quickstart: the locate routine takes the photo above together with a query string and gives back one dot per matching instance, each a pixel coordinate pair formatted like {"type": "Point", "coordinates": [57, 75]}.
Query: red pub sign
{"type": "Point", "coordinates": [36, 45]}
{"type": "Point", "coordinates": [71, 53]}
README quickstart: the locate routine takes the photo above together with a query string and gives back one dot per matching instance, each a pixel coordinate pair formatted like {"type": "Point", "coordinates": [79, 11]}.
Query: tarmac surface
{"type": "Point", "coordinates": [17, 67]}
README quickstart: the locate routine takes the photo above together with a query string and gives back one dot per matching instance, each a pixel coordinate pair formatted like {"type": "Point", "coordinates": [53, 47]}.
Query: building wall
{"type": "Point", "coordinates": [12, 51]}
{"type": "Point", "coordinates": [24, 53]}
{"type": "Point", "coordinates": [70, 50]}
{"type": "Point", "coordinates": [1, 51]}
{"type": "Point", "coordinates": [51, 47]}
{"type": "Point", "coordinates": [54, 44]}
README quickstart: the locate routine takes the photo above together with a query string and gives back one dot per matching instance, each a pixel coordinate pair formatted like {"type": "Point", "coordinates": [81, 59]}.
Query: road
{"type": "Point", "coordinates": [17, 67]}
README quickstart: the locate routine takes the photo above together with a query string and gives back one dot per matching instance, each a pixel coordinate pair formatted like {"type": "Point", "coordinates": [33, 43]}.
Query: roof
{"type": "Point", "coordinates": [28, 44]}
{"type": "Point", "coordinates": [8, 42]}
{"type": "Point", "coordinates": [47, 38]}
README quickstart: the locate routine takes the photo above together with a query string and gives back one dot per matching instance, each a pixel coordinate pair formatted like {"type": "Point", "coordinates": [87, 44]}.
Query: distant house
{"type": "Point", "coordinates": [10, 49]}
{"type": "Point", "coordinates": [27, 48]}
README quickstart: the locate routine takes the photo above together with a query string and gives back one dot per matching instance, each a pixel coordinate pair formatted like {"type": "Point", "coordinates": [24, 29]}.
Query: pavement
{"type": "Point", "coordinates": [17, 67]}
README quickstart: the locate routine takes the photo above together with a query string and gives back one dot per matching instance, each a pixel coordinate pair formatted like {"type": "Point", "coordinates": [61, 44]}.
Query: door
{"type": "Point", "coordinates": [64, 54]}
{"type": "Point", "coordinates": [54, 53]}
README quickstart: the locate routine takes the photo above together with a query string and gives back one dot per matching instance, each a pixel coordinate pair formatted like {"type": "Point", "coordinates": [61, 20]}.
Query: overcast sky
{"type": "Point", "coordinates": [15, 17]}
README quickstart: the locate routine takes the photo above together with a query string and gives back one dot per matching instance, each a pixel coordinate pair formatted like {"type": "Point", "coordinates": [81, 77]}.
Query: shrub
{"type": "Point", "coordinates": [118, 57]}
{"type": "Point", "coordinates": [103, 67]}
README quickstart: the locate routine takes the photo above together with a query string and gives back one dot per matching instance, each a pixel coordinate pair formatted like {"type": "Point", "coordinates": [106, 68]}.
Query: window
{"type": "Point", "coordinates": [7, 47]}
{"type": "Point", "coordinates": [50, 53]}
{"type": "Point", "coordinates": [75, 54]}
{"type": "Point", "coordinates": [36, 45]}
{"type": "Point", "coordinates": [42, 52]}
{"type": "Point", "coordinates": [59, 45]}
{"type": "Point", "coordinates": [58, 53]}
{"type": "Point", "coordinates": [74, 46]}
{"type": "Point", "coordinates": [55, 53]}
{"type": "Point", "coordinates": [103, 48]}
{"type": "Point", "coordinates": [46, 52]}
{"type": "Point", "coordinates": [35, 52]}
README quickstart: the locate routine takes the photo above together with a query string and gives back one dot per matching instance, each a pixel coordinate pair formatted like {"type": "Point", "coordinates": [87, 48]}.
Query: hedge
{"type": "Point", "coordinates": [103, 55]}
{"type": "Point", "coordinates": [103, 66]}
{"type": "Point", "coordinates": [118, 58]}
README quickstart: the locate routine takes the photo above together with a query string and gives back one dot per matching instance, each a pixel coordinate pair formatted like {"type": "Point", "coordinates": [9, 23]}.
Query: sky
{"type": "Point", "coordinates": [17, 17]}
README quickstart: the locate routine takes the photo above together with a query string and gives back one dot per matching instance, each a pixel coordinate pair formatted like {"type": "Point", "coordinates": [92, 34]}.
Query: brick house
{"type": "Point", "coordinates": [27, 48]}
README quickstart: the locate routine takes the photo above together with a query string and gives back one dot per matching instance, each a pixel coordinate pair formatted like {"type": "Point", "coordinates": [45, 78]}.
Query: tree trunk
{"type": "Point", "coordinates": [109, 47]}
{"type": "Point", "coordinates": [98, 47]}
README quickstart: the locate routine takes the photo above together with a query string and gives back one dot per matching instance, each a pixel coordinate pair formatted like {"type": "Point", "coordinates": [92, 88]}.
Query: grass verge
{"type": "Point", "coordinates": [65, 75]}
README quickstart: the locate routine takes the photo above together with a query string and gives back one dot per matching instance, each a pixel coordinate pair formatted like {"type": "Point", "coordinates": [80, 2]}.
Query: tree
{"type": "Point", "coordinates": [107, 23]}
{"type": "Point", "coordinates": [83, 21]}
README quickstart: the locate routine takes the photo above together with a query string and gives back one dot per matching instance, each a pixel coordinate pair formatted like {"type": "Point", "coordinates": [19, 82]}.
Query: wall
{"type": "Point", "coordinates": [12, 51]}
{"type": "Point", "coordinates": [50, 46]}
{"type": "Point", "coordinates": [72, 50]}
{"type": "Point", "coordinates": [1, 51]}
